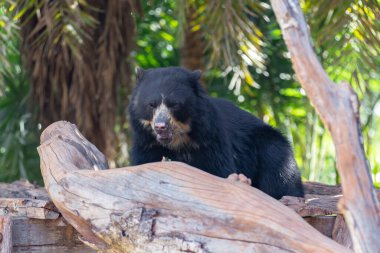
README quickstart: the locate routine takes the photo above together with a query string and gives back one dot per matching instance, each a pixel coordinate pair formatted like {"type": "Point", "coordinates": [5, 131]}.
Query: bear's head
{"type": "Point", "coordinates": [165, 102]}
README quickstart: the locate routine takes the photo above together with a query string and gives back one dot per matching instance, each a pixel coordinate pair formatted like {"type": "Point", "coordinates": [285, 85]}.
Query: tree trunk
{"type": "Point", "coordinates": [338, 107]}
{"type": "Point", "coordinates": [78, 78]}
{"type": "Point", "coordinates": [192, 50]}
{"type": "Point", "coordinates": [165, 206]}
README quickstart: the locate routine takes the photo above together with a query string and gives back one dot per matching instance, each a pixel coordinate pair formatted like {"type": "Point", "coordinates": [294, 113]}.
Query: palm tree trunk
{"type": "Point", "coordinates": [192, 50]}
{"type": "Point", "coordinates": [77, 66]}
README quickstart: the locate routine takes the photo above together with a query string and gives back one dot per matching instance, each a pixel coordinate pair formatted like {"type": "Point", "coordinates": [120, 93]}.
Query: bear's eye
{"type": "Point", "coordinates": [152, 104]}
{"type": "Point", "coordinates": [173, 105]}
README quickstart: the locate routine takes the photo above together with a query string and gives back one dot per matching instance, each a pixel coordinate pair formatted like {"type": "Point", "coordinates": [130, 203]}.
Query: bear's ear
{"type": "Point", "coordinates": [198, 89]}
{"type": "Point", "coordinates": [139, 73]}
{"type": "Point", "coordinates": [197, 74]}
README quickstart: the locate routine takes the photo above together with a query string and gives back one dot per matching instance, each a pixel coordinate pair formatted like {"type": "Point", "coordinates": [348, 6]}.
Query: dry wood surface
{"type": "Point", "coordinates": [5, 234]}
{"type": "Point", "coordinates": [165, 206]}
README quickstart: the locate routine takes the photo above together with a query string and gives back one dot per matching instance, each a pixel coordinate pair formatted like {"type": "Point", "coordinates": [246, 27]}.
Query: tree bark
{"type": "Point", "coordinates": [5, 234]}
{"type": "Point", "coordinates": [192, 50]}
{"type": "Point", "coordinates": [31, 208]}
{"type": "Point", "coordinates": [79, 75]}
{"type": "Point", "coordinates": [338, 107]}
{"type": "Point", "coordinates": [165, 206]}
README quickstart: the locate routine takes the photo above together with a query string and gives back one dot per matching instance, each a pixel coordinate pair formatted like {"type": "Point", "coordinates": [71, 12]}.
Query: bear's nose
{"type": "Point", "coordinates": [160, 126]}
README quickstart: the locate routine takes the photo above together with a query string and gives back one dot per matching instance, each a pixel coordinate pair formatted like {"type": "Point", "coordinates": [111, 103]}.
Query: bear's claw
{"type": "Point", "coordinates": [240, 178]}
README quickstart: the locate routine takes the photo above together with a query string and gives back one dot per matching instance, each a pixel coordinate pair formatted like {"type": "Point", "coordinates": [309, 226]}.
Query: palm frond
{"type": "Point", "coordinates": [18, 127]}
{"type": "Point", "coordinates": [345, 32]}
{"type": "Point", "coordinates": [8, 34]}
{"type": "Point", "coordinates": [76, 54]}
{"type": "Point", "coordinates": [233, 41]}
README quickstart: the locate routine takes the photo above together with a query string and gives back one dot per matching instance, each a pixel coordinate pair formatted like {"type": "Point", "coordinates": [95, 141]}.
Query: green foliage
{"type": "Point", "coordinates": [18, 131]}
{"type": "Point", "coordinates": [156, 36]}
{"type": "Point", "coordinates": [347, 38]}
{"type": "Point", "coordinates": [234, 40]}
{"type": "Point", "coordinates": [248, 63]}
{"type": "Point", "coordinates": [18, 128]}
{"type": "Point", "coordinates": [7, 37]}
{"type": "Point", "coordinates": [346, 33]}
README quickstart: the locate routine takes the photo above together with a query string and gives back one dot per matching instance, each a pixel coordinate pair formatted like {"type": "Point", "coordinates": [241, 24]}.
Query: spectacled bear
{"type": "Point", "coordinates": [171, 116]}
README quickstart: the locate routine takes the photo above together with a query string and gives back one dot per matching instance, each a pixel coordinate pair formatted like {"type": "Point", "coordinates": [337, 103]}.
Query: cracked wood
{"type": "Point", "coordinates": [165, 206]}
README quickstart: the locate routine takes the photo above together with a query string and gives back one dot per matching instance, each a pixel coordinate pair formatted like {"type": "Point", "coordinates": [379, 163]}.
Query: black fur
{"type": "Point", "coordinates": [228, 140]}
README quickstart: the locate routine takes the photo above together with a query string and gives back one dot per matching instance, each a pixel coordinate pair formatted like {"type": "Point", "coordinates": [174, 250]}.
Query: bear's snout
{"type": "Point", "coordinates": [161, 124]}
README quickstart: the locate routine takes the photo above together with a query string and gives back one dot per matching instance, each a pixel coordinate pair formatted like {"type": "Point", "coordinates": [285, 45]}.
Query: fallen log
{"type": "Point", "coordinates": [166, 206]}
{"type": "Point", "coordinates": [46, 232]}
{"type": "Point", "coordinates": [49, 233]}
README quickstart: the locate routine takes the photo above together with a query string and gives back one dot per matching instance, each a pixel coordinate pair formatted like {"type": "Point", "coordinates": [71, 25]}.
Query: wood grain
{"type": "Point", "coordinates": [31, 208]}
{"type": "Point", "coordinates": [5, 234]}
{"type": "Point", "coordinates": [45, 236]}
{"type": "Point", "coordinates": [340, 232]}
{"type": "Point", "coordinates": [166, 206]}
{"type": "Point", "coordinates": [49, 233]}
{"type": "Point", "coordinates": [22, 189]}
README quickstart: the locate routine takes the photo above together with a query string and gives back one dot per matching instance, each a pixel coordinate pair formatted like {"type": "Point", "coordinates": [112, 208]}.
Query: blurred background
{"type": "Point", "coordinates": [76, 60]}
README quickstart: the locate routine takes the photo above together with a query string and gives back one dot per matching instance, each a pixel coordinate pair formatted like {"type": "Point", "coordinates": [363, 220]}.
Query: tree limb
{"type": "Point", "coordinates": [338, 107]}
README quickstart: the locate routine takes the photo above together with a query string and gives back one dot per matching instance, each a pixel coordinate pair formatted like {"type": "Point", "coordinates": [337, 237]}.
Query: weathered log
{"type": "Point", "coordinates": [166, 206]}
{"type": "Point", "coordinates": [315, 188]}
{"type": "Point", "coordinates": [22, 189]}
{"type": "Point", "coordinates": [341, 233]}
{"type": "Point", "coordinates": [35, 223]}
{"type": "Point", "coordinates": [338, 107]}
{"type": "Point", "coordinates": [313, 205]}
{"type": "Point", "coordinates": [30, 208]}
{"type": "Point", "coordinates": [35, 230]}
{"type": "Point", "coordinates": [45, 236]}
{"type": "Point", "coordinates": [5, 234]}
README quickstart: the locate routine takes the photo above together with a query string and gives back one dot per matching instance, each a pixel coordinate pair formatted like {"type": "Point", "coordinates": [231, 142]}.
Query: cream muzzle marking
{"type": "Point", "coordinates": [161, 124]}
{"type": "Point", "coordinates": [169, 132]}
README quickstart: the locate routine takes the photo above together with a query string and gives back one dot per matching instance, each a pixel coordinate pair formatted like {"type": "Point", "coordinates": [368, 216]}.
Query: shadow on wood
{"type": "Point", "coordinates": [166, 206]}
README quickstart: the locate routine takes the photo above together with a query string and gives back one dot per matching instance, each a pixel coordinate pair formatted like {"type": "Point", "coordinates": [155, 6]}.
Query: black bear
{"type": "Point", "coordinates": [172, 116]}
